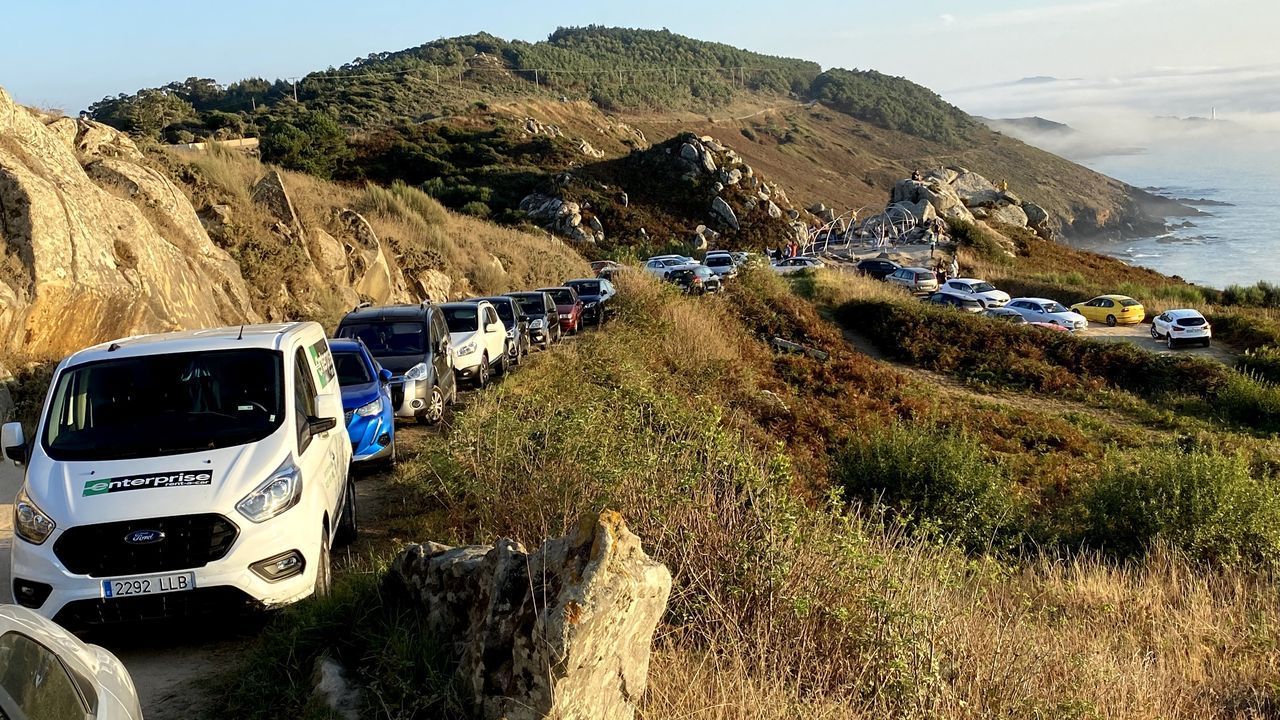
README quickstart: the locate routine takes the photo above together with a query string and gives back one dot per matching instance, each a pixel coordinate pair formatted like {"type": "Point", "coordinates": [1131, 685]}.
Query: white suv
{"type": "Point", "coordinates": [173, 474]}
{"type": "Point", "coordinates": [980, 290]}
{"type": "Point", "coordinates": [1179, 327]}
{"type": "Point", "coordinates": [479, 340]}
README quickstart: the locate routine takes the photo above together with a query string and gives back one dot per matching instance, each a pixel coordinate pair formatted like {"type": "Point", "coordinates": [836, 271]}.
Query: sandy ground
{"type": "Point", "coordinates": [1140, 335]}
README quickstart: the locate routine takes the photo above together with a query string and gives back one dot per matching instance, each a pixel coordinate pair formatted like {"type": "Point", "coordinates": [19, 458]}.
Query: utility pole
{"type": "Point", "coordinates": [295, 89]}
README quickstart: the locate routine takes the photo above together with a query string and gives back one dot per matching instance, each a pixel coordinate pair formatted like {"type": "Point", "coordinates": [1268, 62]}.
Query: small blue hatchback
{"type": "Point", "coordinates": [366, 402]}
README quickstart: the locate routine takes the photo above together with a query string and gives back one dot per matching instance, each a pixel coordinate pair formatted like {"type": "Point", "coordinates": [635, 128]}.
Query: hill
{"type": "Point", "coordinates": [587, 82]}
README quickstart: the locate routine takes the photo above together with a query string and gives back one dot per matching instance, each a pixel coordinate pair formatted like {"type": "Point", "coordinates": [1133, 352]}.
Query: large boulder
{"type": "Point", "coordinates": [88, 265]}
{"type": "Point", "coordinates": [724, 211]}
{"type": "Point", "coordinates": [271, 193]}
{"type": "Point", "coordinates": [975, 190]}
{"type": "Point", "coordinates": [563, 632]}
{"type": "Point", "coordinates": [1008, 215]}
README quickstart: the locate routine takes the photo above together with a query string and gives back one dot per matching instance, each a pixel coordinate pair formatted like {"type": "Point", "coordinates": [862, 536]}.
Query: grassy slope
{"type": "Point", "coordinates": [790, 602]}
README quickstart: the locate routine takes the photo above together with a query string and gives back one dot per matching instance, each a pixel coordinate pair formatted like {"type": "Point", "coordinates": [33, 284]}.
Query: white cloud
{"type": "Point", "coordinates": [947, 19]}
{"type": "Point", "coordinates": [1047, 13]}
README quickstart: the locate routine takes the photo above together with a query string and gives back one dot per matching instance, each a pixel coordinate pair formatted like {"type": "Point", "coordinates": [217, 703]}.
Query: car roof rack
{"type": "Point", "coordinates": [362, 306]}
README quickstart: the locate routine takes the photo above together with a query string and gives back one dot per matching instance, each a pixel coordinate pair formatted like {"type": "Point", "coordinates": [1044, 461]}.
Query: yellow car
{"type": "Point", "coordinates": [1112, 310]}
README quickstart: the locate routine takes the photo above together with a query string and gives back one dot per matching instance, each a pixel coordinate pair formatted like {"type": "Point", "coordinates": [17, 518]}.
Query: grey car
{"type": "Point", "coordinates": [544, 319]}
{"type": "Point", "coordinates": [517, 323]}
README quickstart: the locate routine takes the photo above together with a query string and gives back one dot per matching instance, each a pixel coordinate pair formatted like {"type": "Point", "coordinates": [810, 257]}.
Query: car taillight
{"type": "Point", "coordinates": [697, 281]}
{"type": "Point", "coordinates": [1177, 328]}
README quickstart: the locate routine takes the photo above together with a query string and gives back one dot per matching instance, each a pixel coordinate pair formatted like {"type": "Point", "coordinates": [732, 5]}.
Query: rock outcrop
{"type": "Point", "coordinates": [562, 217]}
{"type": "Point", "coordinates": [563, 632]}
{"type": "Point", "coordinates": [90, 257]}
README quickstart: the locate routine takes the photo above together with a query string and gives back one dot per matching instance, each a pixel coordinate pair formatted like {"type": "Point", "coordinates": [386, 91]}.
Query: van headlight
{"type": "Point", "coordinates": [467, 349]}
{"type": "Point", "coordinates": [29, 521]}
{"type": "Point", "coordinates": [418, 372]}
{"type": "Point", "coordinates": [537, 324]}
{"type": "Point", "coordinates": [373, 408]}
{"type": "Point", "coordinates": [279, 492]}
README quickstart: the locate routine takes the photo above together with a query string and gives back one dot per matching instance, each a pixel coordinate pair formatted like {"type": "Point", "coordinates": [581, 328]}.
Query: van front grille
{"type": "Point", "coordinates": [185, 542]}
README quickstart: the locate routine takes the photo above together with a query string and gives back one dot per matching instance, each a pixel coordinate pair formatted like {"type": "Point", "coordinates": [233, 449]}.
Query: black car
{"type": "Point", "coordinates": [412, 341]}
{"type": "Point", "coordinates": [517, 323]}
{"type": "Point", "coordinates": [544, 319]}
{"type": "Point", "coordinates": [877, 268]}
{"type": "Point", "coordinates": [694, 280]}
{"type": "Point", "coordinates": [595, 295]}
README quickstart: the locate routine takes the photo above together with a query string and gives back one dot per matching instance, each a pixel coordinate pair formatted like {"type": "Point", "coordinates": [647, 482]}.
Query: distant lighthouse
{"type": "Point", "coordinates": [1213, 113]}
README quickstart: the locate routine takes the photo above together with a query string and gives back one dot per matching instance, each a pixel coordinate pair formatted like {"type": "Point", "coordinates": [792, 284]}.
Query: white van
{"type": "Point", "coordinates": [183, 473]}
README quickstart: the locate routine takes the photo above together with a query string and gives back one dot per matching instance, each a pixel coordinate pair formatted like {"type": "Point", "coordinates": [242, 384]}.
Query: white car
{"type": "Point", "coordinates": [1182, 327]}
{"type": "Point", "coordinates": [1040, 310]}
{"type": "Point", "coordinates": [797, 264]}
{"type": "Point", "coordinates": [721, 264]}
{"type": "Point", "coordinates": [479, 340]}
{"type": "Point", "coordinates": [45, 672]}
{"type": "Point", "coordinates": [181, 473]}
{"type": "Point", "coordinates": [660, 266]}
{"type": "Point", "coordinates": [980, 290]}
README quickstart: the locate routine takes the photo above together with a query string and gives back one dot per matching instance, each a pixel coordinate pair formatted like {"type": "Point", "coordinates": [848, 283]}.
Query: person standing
{"type": "Point", "coordinates": [955, 265]}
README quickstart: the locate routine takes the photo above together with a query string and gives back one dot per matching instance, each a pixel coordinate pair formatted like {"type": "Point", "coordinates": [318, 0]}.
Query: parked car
{"type": "Point", "coordinates": [568, 307]}
{"type": "Point", "coordinates": [722, 265]}
{"type": "Point", "coordinates": [368, 415]}
{"type": "Point", "coordinates": [595, 296]}
{"type": "Point", "coordinates": [1112, 310]}
{"type": "Point", "coordinates": [794, 265]}
{"type": "Point", "coordinates": [183, 473]}
{"type": "Point", "coordinates": [877, 268]}
{"type": "Point", "coordinates": [1010, 315]}
{"type": "Point", "coordinates": [519, 343]}
{"type": "Point", "coordinates": [604, 269]}
{"type": "Point", "coordinates": [46, 672]}
{"type": "Point", "coordinates": [1181, 327]}
{"type": "Point", "coordinates": [695, 279]}
{"type": "Point", "coordinates": [479, 341]}
{"type": "Point", "coordinates": [544, 319]}
{"type": "Point", "coordinates": [1048, 311]}
{"type": "Point", "coordinates": [412, 341]}
{"type": "Point", "coordinates": [956, 300]}
{"type": "Point", "coordinates": [660, 265]}
{"type": "Point", "coordinates": [980, 290]}
{"type": "Point", "coordinates": [916, 279]}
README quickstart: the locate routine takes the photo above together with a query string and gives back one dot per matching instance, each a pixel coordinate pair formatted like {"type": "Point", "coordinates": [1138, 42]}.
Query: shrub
{"type": "Point", "coordinates": [1262, 363]}
{"type": "Point", "coordinates": [475, 208]}
{"type": "Point", "coordinates": [934, 478]}
{"type": "Point", "coordinates": [1204, 503]}
{"type": "Point", "coordinates": [972, 235]}
{"type": "Point", "coordinates": [1251, 400]}
{"type": "Point", "coordinates": [316, 144]}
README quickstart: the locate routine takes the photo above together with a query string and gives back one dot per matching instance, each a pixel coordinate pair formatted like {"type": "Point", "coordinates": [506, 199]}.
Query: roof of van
{"type": "Point", "coordinates": [268, 336]}
{"type": "Point", "coordinates": [387, 312]}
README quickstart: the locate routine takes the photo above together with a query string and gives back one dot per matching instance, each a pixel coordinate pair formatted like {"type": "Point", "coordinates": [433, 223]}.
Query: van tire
{"type": "Point", "coordinates": [324, 569]}
{"type": "Point", "coordinates": [435, 407]}
{"type": "Point", "coordinates": [1111, 321]}
{"type": "Point", "coordinates": [348, 526]}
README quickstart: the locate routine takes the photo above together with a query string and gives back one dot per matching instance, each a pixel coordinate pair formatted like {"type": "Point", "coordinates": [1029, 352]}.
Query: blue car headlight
{"type": "Point", "coordinates": [371, 409]}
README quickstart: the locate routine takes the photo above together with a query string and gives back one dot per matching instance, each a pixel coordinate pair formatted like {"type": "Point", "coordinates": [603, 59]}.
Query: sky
{"type": "Point", "coordinates": [1176, 57]}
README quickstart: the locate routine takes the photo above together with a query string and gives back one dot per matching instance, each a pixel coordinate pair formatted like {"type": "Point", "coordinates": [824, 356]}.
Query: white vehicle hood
{"type": "Point", "coordinates": [1069, 317]}
{"type": "Point", "coordinates": [997, 295]}
{"type": "Point", "coordinates": [84, 492]}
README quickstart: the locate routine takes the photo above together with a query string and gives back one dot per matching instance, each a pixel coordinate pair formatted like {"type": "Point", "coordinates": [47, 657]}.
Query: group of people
{"type": "Point", "coordinates": [947, 272]}
{"type": "Point", "coordinates": [790, 250]}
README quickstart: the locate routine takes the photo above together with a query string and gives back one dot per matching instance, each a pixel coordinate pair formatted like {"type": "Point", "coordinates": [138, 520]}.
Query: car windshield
{"type": "Point", "coordinates": [351, 367]}
{"type": "Point", "coordinates": [591, 287]}
{"type": "Point", "coordinates": [703, 272]}
{"type": "Point", "coordinates": [462, 318]}
{"type": "Point", "coordinates": [1129, 302]}
{"type": "Point", "coordinates": [532, 304]}
{"type": "Point", "coordinates": [982, 287]}
{"type": "Point", "coordinates": [387, 337]}
{"type": "Point", "coordinates": [165, 404]}
{"type": "Point", "coordinates": [505, 312]}
{"type": "Point", "coordinates": [718, 260]}
{"type": "Point", "coordinates": [1053, 307]}
{"type": "Point", "coordinates": [562, 296]}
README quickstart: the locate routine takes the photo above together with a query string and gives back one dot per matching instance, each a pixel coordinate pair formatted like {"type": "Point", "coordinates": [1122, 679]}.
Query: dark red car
{"type": "Point", "coordinates": [568, 306]}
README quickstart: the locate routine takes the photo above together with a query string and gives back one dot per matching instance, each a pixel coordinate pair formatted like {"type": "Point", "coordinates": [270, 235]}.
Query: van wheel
{"type": "Point", "coordinates": [482, 375]}
{"type": "Point", "coordinates": [435, 408]}
{"type": "Point", "coordinates": [348, 525]}
{"type": "Point", "coordinates": [324, 569]}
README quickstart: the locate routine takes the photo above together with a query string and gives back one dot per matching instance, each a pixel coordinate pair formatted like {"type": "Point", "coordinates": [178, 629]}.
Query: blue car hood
{"type": "Point", "coordinates": [354, 396]}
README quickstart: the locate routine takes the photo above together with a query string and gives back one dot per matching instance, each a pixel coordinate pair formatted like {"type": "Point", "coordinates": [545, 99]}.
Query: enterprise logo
{"type": "Point", "coordinates": [182, 478]}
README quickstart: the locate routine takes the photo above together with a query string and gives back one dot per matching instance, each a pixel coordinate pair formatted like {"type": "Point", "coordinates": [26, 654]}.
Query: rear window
{"type": "Point", "coordinates": [924, 276]}
{"type": "Point", "coordinates": [719, 261]}
{"type": "Point", "coordinates": [1129, 303]}
{"type": "Point", "coordinates": [1191, 321]}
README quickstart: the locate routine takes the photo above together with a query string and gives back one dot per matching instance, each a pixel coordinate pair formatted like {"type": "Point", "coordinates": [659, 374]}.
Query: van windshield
{"type": "Point", "coordinates": [388, 338]}
{"type": "Point", "coordinates": [164, 404]}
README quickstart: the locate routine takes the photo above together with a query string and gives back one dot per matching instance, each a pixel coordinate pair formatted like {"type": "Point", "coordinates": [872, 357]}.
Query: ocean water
{"type": "Point", "coordinates": [1235, 244]}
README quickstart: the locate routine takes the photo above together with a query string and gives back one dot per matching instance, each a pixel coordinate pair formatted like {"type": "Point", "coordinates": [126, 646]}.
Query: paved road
{"type": "Point", "coordinates": [1140, 335]}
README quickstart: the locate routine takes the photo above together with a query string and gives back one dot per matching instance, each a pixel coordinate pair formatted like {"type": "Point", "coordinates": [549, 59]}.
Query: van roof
{"type": "Point", "coordinates": [272, 336]}
{"type": "Point", "coordinates": [389, 312]}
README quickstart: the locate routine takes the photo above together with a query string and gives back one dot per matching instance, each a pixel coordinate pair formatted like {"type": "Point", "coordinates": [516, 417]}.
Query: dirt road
{"type": "Point", "coordinates": [1140, 335]}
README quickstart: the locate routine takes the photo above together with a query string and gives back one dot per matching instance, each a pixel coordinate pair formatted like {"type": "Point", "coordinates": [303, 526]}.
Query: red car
{"type": "Point", "coordinates": [568, 306]}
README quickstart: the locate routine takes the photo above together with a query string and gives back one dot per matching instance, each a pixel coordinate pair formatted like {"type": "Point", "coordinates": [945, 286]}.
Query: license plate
{"type": "Point", "coordinates": [152, 585]}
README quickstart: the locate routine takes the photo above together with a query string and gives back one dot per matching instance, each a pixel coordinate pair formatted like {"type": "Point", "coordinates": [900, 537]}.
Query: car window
{"type": "Point", "coordinates": [982, 287]}
{"type": "Point", "coordinates": [462, 318]}
{"type": "Point", "coordinates": [505, 312]}
{"type": "Point", "coordinates": [1129, 302]}
{"type": "Point", "coordinates": [490, 316]}
{"type": "Point", "coordinates": [304, 398]}
{"type": "Point", "coordinates": [1191, 321]}
{"type": "Point", "coordinates": [562, 296]}
{"type": "Point", "coordinates": [1054, 307]}
{"type": "Point", "coordinates": [37, 682]}
{"type": "Point", "coordinates": [388, 338]}
{"type": "Point", "coordinates": [1106, 303]}
{"type": "Point", "coordinates": [352, 369]}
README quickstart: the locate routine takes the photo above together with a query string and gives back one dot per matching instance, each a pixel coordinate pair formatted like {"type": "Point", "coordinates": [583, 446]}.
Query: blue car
{"type": "Point", "coordinates": [366, 402]}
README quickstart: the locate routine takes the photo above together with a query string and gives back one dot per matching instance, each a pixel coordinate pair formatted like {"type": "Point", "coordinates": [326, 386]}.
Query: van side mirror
{"type": "Point", "coordinates": [318, 426]}
{"type": "Point", "coordinates": [14, 443]}
{"type": "Point", "coordinates": [385, 375]}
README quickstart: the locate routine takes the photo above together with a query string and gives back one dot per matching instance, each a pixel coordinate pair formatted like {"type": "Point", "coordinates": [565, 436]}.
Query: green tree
{"type": "Point", "coordinates": [314, 143]}
{"type": "Point", "coordinates": [153, 110]}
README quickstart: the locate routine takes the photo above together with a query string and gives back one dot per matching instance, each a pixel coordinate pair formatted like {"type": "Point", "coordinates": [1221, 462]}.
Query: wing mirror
{"type": "Point", "coordinates": [385, 376]}
{"type": "Point", "coordinates": [318, 426]}
{"type": "Point", "coordinates": [14, 443]}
